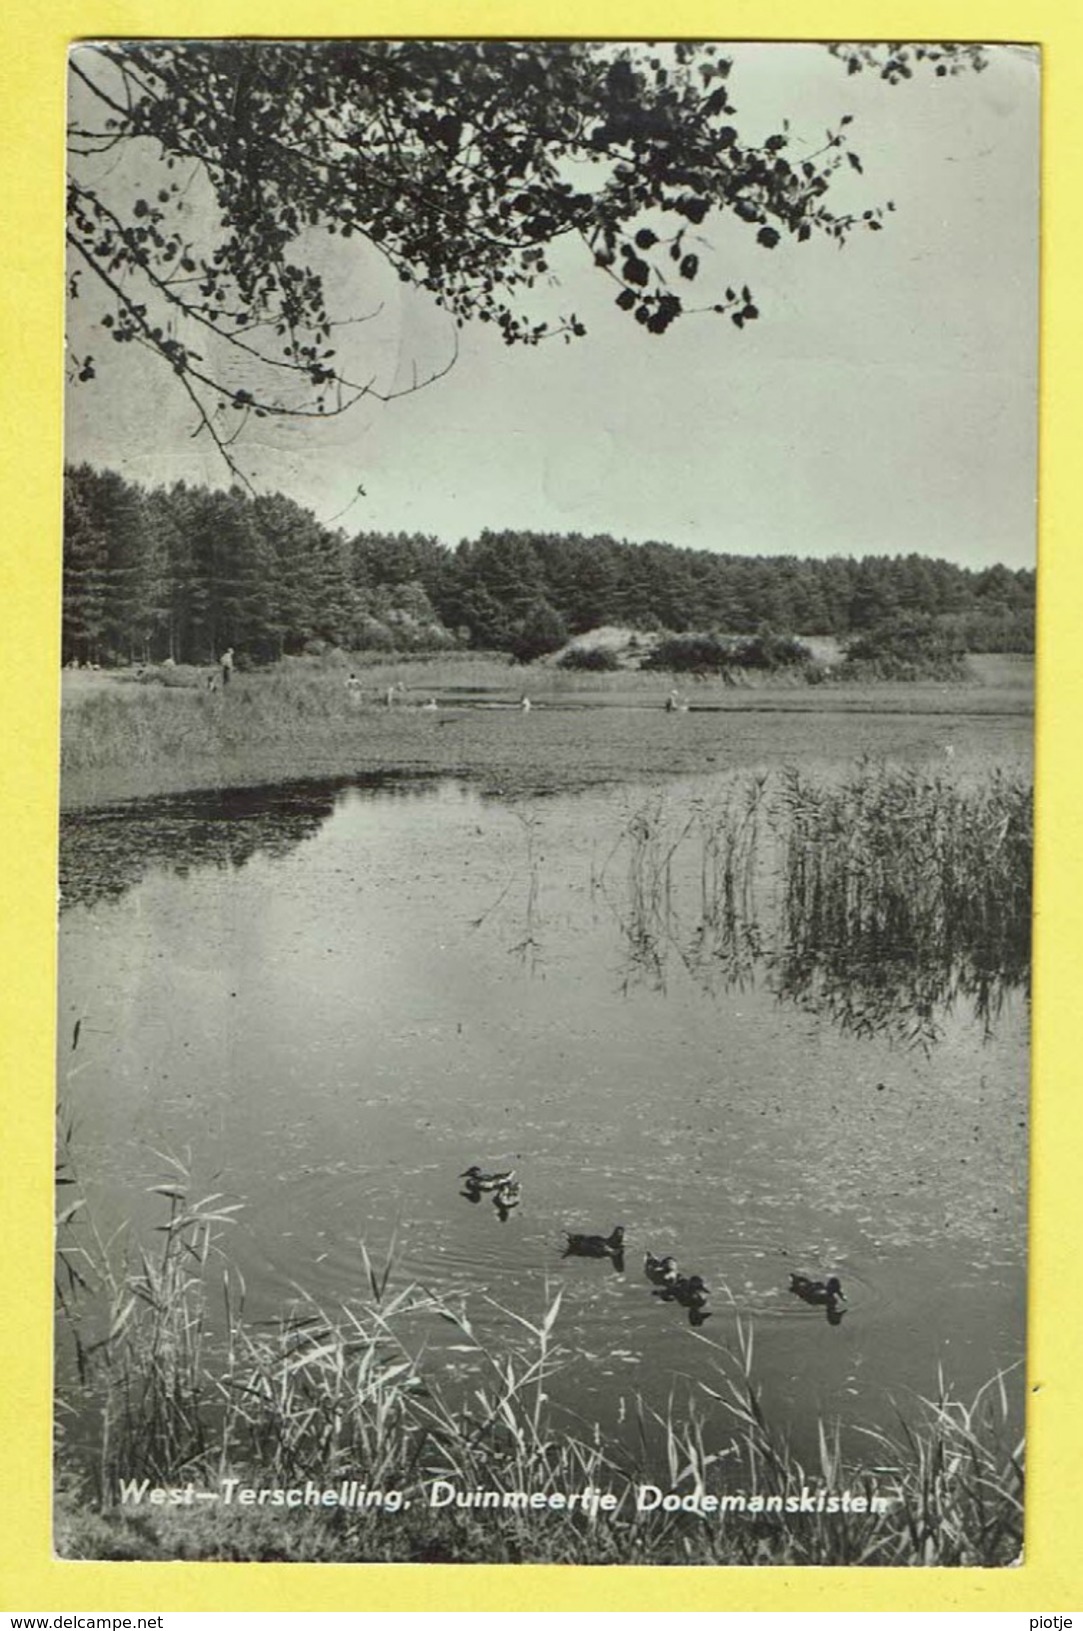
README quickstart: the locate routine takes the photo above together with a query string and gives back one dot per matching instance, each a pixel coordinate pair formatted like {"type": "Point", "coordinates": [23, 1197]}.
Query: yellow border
{"type": "Point", "coordinates": [33, 38]}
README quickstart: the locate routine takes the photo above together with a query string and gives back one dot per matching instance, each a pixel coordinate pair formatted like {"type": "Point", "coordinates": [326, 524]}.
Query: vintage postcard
{"type": "Point", "coordinates": [546, 838]}
{"type": "Point", "coordinates": [543, 1002]}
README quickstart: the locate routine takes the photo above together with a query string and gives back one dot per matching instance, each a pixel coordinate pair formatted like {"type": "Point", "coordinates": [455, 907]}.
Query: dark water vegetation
{"type": "Point", "coordinates": [104, 852]}
{"type": "Point", "coordinates": [334, 1395]}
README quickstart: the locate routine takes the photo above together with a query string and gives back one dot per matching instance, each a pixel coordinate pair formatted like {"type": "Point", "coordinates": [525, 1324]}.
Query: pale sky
{"type": "Point", "coordinates": [885, 402]}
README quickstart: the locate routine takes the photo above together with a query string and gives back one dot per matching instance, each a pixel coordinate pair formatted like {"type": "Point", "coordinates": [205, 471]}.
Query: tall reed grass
{"type": "Point", "coordinates": [880, 898]}
{"type": "Point", "coordinates": [155, 1394]}
{"type": "Point", "coordinates": [898, 874]}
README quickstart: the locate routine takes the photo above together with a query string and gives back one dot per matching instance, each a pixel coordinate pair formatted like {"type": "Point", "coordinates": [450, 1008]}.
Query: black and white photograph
{"type": "Point", "coordinates": [546, 835]}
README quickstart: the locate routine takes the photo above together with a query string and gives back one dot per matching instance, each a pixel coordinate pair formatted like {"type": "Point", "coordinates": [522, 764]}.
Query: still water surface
{"type": "Point", "coordinates": [336, 997]}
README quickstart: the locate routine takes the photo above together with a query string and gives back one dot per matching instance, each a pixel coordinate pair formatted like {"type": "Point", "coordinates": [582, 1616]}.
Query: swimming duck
{"type": "Point", "coordinates": [660, 1271]}
{"type": "Point", "coordinates": [819, 1293]}
{"type": "Point", "coordinates": [508, 1196]}
{"type": "Point", "coordinates": [487, 1181]}
{"type": "Point", "coordinates": [686, 1289]}
{"type": "Point", "coordinates": [690, 1291]}
{"type": "Point", "coordinates": [595, 1245]}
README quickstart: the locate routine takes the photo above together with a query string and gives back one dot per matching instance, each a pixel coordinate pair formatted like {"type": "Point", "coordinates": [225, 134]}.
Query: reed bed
{"type": "Point", "coordinates": [896, 876]}
{"type": "Point", "coordinates": [348, 1395]}
{"type": "Point", "coordinates": [880, 898]}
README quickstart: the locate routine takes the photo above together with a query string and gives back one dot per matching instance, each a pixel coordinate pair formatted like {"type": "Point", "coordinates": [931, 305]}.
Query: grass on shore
{"type": "Point", "coordinates": [331, 1396]}
{"type": "Point", "coordinates": [301, 713]}
{"type": "Point", "coordinates": [124, 739]}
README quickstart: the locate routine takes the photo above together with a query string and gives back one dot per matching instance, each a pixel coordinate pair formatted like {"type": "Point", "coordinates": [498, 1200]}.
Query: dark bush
{"type": "Point", "coordinates": [691, 654]}
{"type": "Point", "coordinates": [721, 654]}
{"type": "Point", "coordinates": [369, 634]}
{"type": "Point", "coordinates": [906, 648]}
{"type": "Point", "coordinates": [589, 659]}
{"type": "Point", "coordinates": [771, 651]}
{"type": "Point", "coordinates": [541, 631]}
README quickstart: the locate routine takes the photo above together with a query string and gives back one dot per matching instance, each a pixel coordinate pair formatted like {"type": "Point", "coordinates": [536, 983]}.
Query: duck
{"type": "Point", "coordinates": [819, 1293]}
{"type": "Point", "coordinates": [660, 1271]}
{"type": "Point", "coordinates": [595, 1245]}
{"type": "Point", "coordinates": [690, 1291]}
{"type": "Point", "coordinates": [487, 1181]}
{"type": "Point", "coordinates": [508, 1196]}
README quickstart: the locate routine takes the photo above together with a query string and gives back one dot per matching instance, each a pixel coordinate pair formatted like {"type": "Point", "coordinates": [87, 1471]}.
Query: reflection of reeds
{"type": "Point", "coordinates": [879, 899]}
{"type": "Point", "coordinates": [711, 927]}
{"type": "Point", "coordinates": [345, 1396]}
{"type": "Point", "coordinates": [528, 947]}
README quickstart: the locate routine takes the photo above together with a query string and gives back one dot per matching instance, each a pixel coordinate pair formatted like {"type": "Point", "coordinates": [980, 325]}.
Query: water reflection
{"type": "Point", "coordinates": [106, 852]}
{"type": "Point", "coordinates": [878, 903]}
{"type": "Point", "coordinates": [333, 1033]}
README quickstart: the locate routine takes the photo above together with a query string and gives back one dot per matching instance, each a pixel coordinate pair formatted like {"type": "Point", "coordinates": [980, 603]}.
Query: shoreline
{"type": "Point", "coordinates": [268, 730]}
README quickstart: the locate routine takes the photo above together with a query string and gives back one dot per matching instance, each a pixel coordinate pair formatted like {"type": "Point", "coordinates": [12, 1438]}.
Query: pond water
{"type": "Point", "coordinates": [333, 998]}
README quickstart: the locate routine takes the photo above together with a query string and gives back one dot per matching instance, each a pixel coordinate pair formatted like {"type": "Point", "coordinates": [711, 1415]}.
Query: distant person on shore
{"type": "Point", "coordinates": [226, 661]}
{"type": "Point", "coordinates": [353, 688]}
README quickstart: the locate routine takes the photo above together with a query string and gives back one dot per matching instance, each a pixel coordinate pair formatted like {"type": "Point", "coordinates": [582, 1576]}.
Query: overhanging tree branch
{"type": "Point", "coordinates": [462, 164]}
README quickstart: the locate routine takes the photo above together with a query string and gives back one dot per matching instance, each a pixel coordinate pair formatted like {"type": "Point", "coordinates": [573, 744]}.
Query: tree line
{"type": "Point", "coordinates": [184, 572]}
